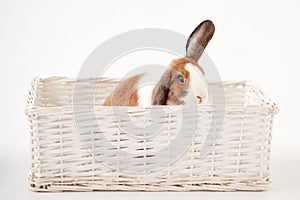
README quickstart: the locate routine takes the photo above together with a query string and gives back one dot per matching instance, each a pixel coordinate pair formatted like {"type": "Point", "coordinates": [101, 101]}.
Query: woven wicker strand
{"type": "Point", "coordinates": [60, 161]}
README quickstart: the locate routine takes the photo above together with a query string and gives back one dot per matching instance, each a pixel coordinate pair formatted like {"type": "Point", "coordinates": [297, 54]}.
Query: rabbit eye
{"type": "Point", "coordinates": [181, 79]}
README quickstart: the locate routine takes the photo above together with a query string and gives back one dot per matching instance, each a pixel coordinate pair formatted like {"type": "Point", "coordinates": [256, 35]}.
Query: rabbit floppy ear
{"type": "Point", "coordinates": [199, 39]}
{"type": "Point", "coordinates": [161, 90]}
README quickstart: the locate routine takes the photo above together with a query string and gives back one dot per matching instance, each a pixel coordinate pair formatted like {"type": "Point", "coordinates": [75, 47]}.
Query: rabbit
{"type": "Point", "coordinates": [182, 83]}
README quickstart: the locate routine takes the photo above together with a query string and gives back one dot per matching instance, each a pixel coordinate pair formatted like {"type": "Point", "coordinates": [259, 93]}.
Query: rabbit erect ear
{"type": "Point", "coordinates": [199, 39]}
{"type": "Point", "coordinates": [161, 90]}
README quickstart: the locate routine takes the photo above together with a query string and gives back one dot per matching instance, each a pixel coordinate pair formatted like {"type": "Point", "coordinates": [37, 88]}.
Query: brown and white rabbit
{"type": "Point", "coordinates": [182, 83]}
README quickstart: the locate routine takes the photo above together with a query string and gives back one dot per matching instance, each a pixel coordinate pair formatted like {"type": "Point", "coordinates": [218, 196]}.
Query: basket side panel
{"type": "Point", "coordinates": [238, 161]}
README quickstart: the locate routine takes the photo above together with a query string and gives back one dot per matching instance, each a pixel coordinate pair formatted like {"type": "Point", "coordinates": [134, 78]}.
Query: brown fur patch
{"type": "Point", "coordinates": [177, 91]}
{"type": "Point", "coordinates": [181, 62]}
{"type": "Point", "coordinates": [124, 94]}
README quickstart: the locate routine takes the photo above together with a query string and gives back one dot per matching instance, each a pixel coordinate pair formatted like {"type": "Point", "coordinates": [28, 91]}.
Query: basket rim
{"type": "Point", "coordinates": [268, 104]}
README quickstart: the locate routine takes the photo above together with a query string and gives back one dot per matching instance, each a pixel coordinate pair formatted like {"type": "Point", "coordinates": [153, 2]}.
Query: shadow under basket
{"type": "Point", "coordinates": [79, 145]}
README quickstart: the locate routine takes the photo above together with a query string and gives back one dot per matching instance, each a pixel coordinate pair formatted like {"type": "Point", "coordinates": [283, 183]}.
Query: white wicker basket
{"type": "Point", "coordinates": [60, 161]}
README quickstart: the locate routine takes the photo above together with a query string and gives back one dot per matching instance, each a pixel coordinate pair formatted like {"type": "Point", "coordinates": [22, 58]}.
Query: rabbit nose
{"type": "Point", "coordinates": [200, 99]}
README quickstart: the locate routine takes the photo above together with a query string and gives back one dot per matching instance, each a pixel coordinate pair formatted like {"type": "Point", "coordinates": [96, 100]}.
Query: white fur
{"type": "Point", "coordinates": [197, 87]}
{"type": "Point", "coordinates": [146, 85]}
{"type": "Point", "coordinates": [145, 95]}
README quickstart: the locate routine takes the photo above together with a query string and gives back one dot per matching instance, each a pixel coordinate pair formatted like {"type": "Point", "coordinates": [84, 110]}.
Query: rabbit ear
{"type": "Point", "coordinates": [161, 90]}
{"type": "Point", "coordinates": [199, 39]}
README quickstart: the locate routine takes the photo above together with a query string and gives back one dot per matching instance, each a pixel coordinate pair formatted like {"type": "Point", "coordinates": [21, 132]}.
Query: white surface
{"type": "Point", "coordinates": [255, 40]}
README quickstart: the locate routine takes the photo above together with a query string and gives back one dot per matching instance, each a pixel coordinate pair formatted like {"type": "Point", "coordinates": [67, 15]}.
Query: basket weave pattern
{"type": "Point", "coordinates": [60, 161]}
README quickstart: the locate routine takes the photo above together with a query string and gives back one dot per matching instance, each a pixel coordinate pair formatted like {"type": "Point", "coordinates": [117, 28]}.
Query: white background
{"type": "Point", "coordinates": [254, 40]}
